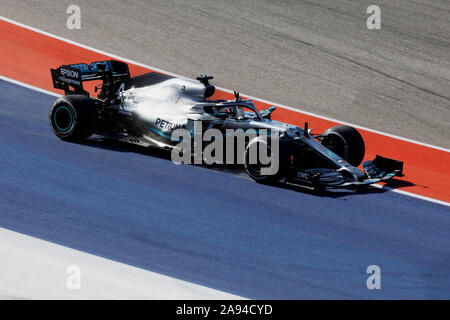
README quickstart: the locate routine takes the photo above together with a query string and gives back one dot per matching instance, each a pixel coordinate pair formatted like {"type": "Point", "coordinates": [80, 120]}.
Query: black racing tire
{"type": "Point", "coordinates": [346, 142]}
{"type": "Point", "coordinates": [73, 117]}
{"type": "Point", "coordinates": [254, 170]}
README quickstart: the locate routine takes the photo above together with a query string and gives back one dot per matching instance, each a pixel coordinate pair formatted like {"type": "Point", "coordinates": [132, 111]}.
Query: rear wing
{"type": "Point", "coordinates": [70, 77]}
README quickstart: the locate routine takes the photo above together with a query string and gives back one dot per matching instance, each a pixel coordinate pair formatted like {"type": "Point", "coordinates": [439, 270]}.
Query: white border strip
{"type": "Point", "coordinates": [414, 195]}
{"type": "Point", "coordinates": [28, 86]}
{"type": "Point", "coordinates": [223, 89]}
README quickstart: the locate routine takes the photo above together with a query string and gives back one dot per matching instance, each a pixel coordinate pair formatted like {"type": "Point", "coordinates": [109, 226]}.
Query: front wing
{"type": "Point", "coordinates": [377, 170]}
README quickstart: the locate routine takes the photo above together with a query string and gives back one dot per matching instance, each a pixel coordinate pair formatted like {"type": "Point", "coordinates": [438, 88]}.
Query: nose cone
{"type": "Point", "coordinates": [352, 174]}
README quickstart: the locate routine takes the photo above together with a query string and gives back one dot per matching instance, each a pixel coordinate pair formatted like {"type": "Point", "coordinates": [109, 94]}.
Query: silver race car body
{"type": "Point", "coordinates": [147, 110]}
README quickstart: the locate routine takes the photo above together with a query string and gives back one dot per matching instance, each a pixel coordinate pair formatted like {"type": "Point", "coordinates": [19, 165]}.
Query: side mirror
{"type": "Point", "coordinates": [266, 114]}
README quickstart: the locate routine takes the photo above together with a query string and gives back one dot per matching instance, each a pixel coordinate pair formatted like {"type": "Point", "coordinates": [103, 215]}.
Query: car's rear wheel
{"type": "Point", "coordinates": [73, 117]}
{"type": "Point", "coordinates": [346, 142]}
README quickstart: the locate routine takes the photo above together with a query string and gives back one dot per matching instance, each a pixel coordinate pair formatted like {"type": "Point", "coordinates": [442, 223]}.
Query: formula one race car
{"type": "Point", "coordinates": [152, 109]}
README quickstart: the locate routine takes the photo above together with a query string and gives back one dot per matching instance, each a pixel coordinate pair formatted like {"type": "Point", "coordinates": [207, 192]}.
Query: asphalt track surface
{"type": "Point", "coordinates": [210, 227]}
{"type": "Point", "coordinates": [314, 55]}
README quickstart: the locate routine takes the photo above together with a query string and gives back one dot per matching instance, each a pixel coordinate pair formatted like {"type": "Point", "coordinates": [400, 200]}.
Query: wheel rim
{"type": "Point", "coordinates": [335, 144]}
{"type": "Point", "coordinates": [255, 168]}
{"type": "Point", "coordinates": [63, 118]}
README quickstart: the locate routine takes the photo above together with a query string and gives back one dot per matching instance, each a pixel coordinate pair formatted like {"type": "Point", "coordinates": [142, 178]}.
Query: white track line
{"type": "Point", "coordinates": [29, 86]}
{"type": "Point", "coordinates": [414, 195]}
{"type": "Point", "coordinates": [223, 89]}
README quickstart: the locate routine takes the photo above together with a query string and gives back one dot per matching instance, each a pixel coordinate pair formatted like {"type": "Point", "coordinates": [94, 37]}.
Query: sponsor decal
{"type": "Point", "coordinates": [303, 175]}
{"type": "Point", "coordinates": [167, 125]}
{"type": "Point", "coordinates": [68, 80]}
{"type": "Point", "coordinates": [331, 154]}
{"type": "Point", "coordinates": [69, 73]}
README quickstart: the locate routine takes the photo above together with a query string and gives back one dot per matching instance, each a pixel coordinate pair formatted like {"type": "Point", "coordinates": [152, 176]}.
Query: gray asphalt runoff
{"type": "Point", "coordinates": [317, 56]}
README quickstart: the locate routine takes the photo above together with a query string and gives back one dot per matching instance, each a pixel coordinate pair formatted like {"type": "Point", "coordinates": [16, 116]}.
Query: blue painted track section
{"type": "Point", "coordinates": [211, 227]}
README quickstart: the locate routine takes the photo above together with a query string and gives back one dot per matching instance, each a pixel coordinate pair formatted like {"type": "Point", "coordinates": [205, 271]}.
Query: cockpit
{"type": "Point", "coordinates": [237, 112]}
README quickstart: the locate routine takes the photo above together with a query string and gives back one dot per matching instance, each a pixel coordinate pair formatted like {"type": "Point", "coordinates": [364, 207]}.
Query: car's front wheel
{"type": "Point", "coordinates": [263, 162]}
{"type": "Point", "coordinates": [345, 141]}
